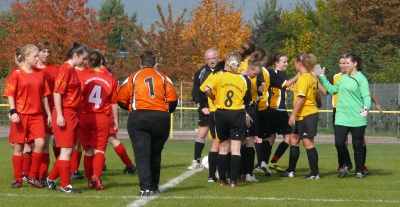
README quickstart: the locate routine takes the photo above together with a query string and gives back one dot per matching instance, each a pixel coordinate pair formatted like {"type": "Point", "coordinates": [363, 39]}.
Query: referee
{"type": "Point", "coordinates": [149, 96]}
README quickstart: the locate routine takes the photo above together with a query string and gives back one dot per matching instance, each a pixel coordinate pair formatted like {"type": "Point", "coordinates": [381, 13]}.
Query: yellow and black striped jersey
{"type": "Point", "coordinates": [278, 89]}
{"type": "Point", "coordinates": [255, 82]}
{"type": "Point", "coordinates": [263, 99]}
{"type": "Point", "coordinates": [230, 90]}
{"type": "Point", "coordinates": [306, 86]}
{"type": "Point", "coordinates": [203, 86]}
{"type": "Point", "coordinates": [335, 96]}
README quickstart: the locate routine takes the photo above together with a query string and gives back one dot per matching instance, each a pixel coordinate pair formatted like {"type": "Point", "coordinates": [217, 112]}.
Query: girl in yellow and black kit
{"type": "Point", "coordinates": [231, 91]}
{"type": "Point", "coordinates": [304, 117]}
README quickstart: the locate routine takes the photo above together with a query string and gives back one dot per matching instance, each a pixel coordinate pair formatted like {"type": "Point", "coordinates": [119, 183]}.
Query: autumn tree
{"type": "Point", "coordinates": [62, 22]}
{"type": "Point", "coordinates": [164, 38]}
{"type": "Point", "coordinates": [215, 24]}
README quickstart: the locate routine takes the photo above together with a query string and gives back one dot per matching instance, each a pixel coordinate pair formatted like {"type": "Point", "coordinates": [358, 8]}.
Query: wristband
{"type": "Point", "coordinates": [13, 111]}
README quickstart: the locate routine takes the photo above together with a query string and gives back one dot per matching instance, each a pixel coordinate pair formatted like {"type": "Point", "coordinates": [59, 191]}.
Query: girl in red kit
{"type": "Point", "coordinates": [50, 73]}
{"type": "Point", "coordinates": [99, 98]}
{"type": "Point", "coordinates": [119, 148]}
{"type": "Point", "coordinates": [67, 102]}
{"type": "Point", "coordinates": [27, 122]}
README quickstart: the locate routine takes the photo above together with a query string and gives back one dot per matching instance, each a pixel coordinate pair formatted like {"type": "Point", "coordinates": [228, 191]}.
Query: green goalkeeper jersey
{"type": "Point", "coordinates": [353, 94]}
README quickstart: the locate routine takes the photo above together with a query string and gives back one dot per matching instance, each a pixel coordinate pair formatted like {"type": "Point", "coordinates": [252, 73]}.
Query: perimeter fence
{"type": "Point", "coordinates": [185, 116]}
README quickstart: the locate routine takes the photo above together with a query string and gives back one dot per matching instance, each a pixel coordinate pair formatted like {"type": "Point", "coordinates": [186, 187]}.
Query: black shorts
{"type": "Point", "coordinates": [253, 130]}
{"type": "Point", "coordinates": [333, 116]}
{"type": "Point", "coordinates": [279, 122]}
{"type": "Point", "coordinates": [230, 124]}
{"type": "Point", "coordinates": [203, 119]}
{"type": "Point", "coordinates": [211, 125]}
{"type": "Point", "coordinates": [264, 124]}
{"type": "Point", "coordinates": [306, 128]}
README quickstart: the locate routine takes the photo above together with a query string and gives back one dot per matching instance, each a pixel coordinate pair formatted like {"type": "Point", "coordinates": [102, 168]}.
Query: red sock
{"type": "Point", "coordinates": [121, 152]}
{"type": "Point", "coordinates": [75, 160]}
{"type": "Point", "coordinates": [88, 165]}
{"type": "Point", "coordinates": [44, 167]}
{"type": "Point", "coordinates": [98, 162]}
{"type": "Point", "coordinates": [56, 151]}
{"type": "Point", "coordinates": [35, 164]}
{"type": "Point", "coordinates": [54, 173]}
{"type": "Point", "coordinates": [17, 166]}
{"type": "Point", "coordinates": [275, 158]}
{"type": "Point", "coordinates": [64, 167]}
{"type": "Point", "coordinates": [26, 165]}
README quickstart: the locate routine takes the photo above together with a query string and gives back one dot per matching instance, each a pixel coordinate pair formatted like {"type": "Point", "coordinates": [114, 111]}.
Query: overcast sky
{"type": "Point", "coordinates": [147, 10]}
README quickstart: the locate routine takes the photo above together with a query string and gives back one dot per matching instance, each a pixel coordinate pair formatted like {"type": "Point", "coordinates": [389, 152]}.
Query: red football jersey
{"type": "Point", "coordinates": [50, 73]}
{"type": "Point", "coordinates": [99, 91]}
{"type": "Point", "coordinates": [67, 83]}
{"type": "Point", "coordinates": [27, 90]}
{"type": "Point", "coordinates": [147, 89]}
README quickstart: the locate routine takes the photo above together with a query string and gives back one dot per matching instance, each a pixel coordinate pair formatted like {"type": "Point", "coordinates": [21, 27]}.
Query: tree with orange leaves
{"type": "Point", "coordinates": [216, 24]}
{"type": "Point", "coordinates": [62, 22]}
{"type": "Point", "coordinates": [167, 44]}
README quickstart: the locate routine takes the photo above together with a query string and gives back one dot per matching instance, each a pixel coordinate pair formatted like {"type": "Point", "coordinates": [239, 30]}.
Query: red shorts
{"type": "Point", "coordinates": [112, 131]}
{"type": "Point", "coordinates": [30, 127]}
{"type": "Point", "coordinates": [66, 136]}
{"type": "Point", "coordinates": [47, 129]}
{"type": "Point", "coordinates": [94, 131]}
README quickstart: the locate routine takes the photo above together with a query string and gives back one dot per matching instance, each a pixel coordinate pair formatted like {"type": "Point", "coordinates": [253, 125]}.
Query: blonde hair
{"type": "Point", "coordinates": [233, 59]}
{"type": "Point", "coordinates": [255, 64]}
{"type": "Point", "coordinates": [308, 60]}
{"type": "Point", "coordinates": [26, 50]}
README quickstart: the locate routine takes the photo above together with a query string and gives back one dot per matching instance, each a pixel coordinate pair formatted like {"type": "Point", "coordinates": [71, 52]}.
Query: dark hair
{"type": "Point", "coordinates": [94, 59]}
{"type": "Point", "coordinates": [356, 59]}
{"type": "Point", "coordinates": [275, 58]}
{"type": "Point", "coordinates": [103, 58]}
{"type": "Point", "coordinates": [260, 54]}
{"type": "Point", "coordinates": [18, 52]}
{"type": "Point", "coordinates": [148, 58]}
{"type": "Point", "coordinates": [308, 60]}
{"type": "Point", "coordinates": [342, 56]}
{"type": "Point", "coordinates": [246, 49]}
{"type": "Point", "coordinates": [44, 44]}
{"type": "Point", "coordinates": [219, 67]}
{"type": "Point", "coordinates": [79, 49]}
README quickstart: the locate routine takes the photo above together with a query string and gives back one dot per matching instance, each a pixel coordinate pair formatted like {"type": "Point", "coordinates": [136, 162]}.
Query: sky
{"type": "Point", "coordinates": [147, 10]}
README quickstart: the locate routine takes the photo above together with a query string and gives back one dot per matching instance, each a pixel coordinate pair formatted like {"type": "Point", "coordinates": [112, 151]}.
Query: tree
{"type": "Point", "coordinates": [113, 11]}
{"type": "Point", "coordinates": [215, 24]}
{"type": "Point", "coordinates": [62, 22]}
{"type": "Point", "coordinates": [264, 31]}
{"type": "Point", "coordinates": [166, 43]}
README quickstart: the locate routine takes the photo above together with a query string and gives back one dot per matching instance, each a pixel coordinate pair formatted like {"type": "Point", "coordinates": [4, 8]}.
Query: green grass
{"type": "Point", "coordinates": [380, 189]}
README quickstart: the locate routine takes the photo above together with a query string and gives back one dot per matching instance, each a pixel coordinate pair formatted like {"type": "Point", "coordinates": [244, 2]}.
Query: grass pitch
{"type": "Point", "coordinates": [382, 188]}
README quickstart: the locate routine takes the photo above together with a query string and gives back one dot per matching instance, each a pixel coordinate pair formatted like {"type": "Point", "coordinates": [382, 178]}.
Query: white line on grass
{"type": "Point", "coordinates": [278, 199]}
{"type": "Point", "coordinates": [201, 197]}
{"type": "Point", "coordinates": [170, 184]}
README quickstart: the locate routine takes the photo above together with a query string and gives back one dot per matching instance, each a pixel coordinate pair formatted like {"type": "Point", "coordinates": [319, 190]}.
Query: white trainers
{"type": "Point", "coordinates": [287, 174]}
{"type": "Point", "coordinates": [251, 178]}
{"type": "Point", "coordinates": [265, 168]}
{"type": "Point", "coordinates": [194, 165]}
